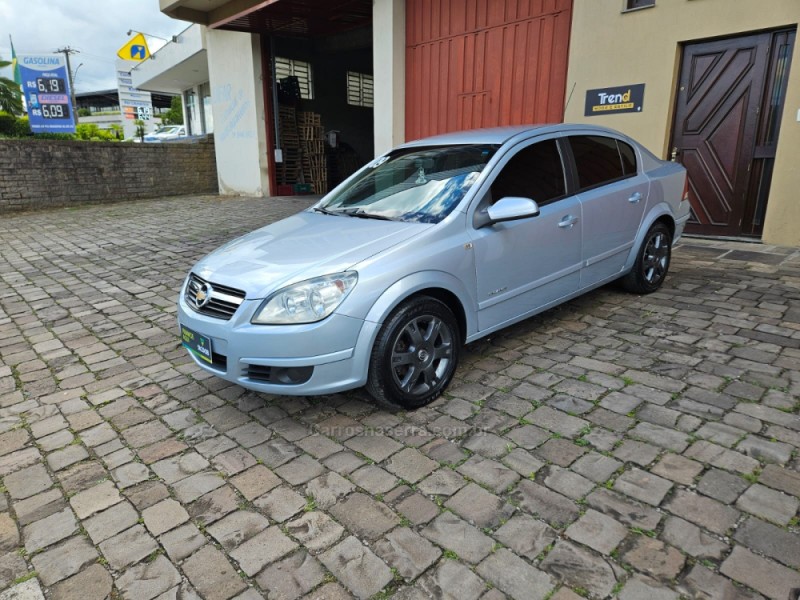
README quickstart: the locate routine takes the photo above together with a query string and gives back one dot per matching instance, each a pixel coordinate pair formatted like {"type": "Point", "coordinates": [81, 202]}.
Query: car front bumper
{"type": "Point", "coordinates": [329, 356]}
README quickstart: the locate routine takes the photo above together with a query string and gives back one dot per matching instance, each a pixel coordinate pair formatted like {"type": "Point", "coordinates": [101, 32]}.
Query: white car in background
{"type": "Point", "coordinates": [166, 132]}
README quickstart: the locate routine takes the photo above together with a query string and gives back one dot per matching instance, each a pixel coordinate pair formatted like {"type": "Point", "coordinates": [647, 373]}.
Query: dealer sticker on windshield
{"type": "Point", "coordinates": [197, 344]}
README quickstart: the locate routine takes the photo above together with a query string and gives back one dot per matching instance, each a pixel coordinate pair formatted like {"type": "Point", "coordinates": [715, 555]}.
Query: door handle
{"type": "Point", "coordinates": [568, 221]}
{"type": "Point", "coordinates": [635, 198]}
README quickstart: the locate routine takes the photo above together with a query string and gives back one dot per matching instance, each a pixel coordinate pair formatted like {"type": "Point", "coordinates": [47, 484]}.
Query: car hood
{"type": "Point", "coordinates": [303, 246]}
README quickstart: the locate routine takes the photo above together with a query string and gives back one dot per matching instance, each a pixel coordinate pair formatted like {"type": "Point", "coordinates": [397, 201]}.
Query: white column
{"type": "Point", "coordinates": [237, 106]}
{"type": "Point", "coordinates": [389, 72]}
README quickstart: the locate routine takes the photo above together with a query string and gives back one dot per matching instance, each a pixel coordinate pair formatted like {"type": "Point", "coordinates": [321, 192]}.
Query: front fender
{"type": "Point", "coordinates": [417, 282]}
{"type": "Point", "coordinates": [659, 210]}
{"type": "Point", "coordinates": [391, 299]}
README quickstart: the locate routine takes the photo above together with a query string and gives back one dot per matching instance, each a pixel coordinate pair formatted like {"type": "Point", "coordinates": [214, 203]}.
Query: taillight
{"type": "Point", "coordinates": [685, 197]}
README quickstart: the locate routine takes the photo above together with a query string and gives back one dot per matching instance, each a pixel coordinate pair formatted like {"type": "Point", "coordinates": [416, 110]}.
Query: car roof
{"type": "Point", "coordinates": [501, 135]}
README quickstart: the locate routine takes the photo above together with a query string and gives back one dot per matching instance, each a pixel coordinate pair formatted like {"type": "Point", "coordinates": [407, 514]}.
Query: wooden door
{"type": "Point", "coordinates": [716, 123]}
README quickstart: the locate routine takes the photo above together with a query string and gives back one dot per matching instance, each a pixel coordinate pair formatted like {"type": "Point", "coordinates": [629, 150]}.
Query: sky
{"type": "Point", "coordinates": [97, 28]}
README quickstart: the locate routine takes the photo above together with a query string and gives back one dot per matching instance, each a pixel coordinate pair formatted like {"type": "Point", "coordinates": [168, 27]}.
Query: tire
{"type": "Point", "coordinates": [652, 261]}
{"type": "Point", "coordinates": [415, 354]}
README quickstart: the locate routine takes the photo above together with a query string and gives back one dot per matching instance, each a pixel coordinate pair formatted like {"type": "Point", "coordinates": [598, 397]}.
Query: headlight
{"type": "Point", "coordinates": [306, 302]}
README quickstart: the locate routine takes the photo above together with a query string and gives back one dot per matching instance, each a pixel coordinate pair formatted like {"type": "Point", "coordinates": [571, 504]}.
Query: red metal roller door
{"type": "Point", "coordinates": [484, 63]}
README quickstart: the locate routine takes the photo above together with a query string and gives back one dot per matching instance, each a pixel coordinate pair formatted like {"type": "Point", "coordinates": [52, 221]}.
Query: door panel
{"type": "Point", "coordinates": [523, 265]}
{"type": "Point", "coordinates": [716, 121]}
{"type": "Point", "coordinates": [613, 195]}
{"type": "Point", "coordinates": [526, 264]}
{"type": "Point", "coordinates": [611, 217]}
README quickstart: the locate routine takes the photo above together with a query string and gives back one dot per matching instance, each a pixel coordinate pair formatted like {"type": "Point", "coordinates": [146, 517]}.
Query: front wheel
{"type": "Point", "coordinates": [652, 261]}
{"type": "Point", "coordinates": [415, 354]}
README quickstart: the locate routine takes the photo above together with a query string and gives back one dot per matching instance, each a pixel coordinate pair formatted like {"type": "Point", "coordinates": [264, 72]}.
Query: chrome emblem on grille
{"type": "Point", "coordinates": [202, 295]}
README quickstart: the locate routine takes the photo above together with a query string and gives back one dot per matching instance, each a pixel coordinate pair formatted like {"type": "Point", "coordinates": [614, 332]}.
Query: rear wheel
{"type": "Point", "coordinates": [652, 262]}
{"type": "Point", "coordinates": [415, 355]}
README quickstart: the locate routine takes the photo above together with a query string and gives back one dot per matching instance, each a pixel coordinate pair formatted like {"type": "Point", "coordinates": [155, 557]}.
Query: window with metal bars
{"type": "Point", "coordinates": [286, 67]}
{"type": "Point", "coordinates": [633, 4]}
{"type": "Point", "coordinates": [360, 89]}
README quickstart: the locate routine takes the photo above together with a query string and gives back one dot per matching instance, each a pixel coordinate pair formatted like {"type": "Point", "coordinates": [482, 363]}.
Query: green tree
{"type": "Point", "coordinates": [7, 122]}
{"type": "Point", "coordinates": [174, 116]}
{"type": "Point", "coordinates": [10, 95]}
{"type": "Point", "coordinates": [139, 129]}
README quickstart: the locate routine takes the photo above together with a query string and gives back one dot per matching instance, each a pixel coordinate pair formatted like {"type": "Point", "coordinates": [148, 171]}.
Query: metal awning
{"type": "Point", "coordinates": [284, 17]}
{"type": "Point", "coordinates": [300, 17]}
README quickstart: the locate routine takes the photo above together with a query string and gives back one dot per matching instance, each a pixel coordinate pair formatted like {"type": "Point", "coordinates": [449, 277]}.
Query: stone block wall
{"type": "Point", "coordinates": [38, 174]}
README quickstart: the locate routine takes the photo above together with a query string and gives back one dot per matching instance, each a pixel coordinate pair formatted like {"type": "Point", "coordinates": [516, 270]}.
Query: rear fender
{"type": "Point", "coordinates": [654, 214]}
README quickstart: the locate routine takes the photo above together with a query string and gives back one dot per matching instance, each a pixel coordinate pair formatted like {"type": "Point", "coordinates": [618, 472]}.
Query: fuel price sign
{"type": "Point", "coordinates": [45, 84]}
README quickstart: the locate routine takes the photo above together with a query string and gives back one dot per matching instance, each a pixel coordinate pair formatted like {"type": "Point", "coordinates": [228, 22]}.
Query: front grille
{"type": "Point", "coordinates": [212, 299]}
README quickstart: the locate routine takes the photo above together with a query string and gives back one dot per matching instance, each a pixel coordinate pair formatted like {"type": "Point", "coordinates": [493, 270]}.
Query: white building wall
{"type": "Point", "coordinates": [389, 69]}
{"type": "Point", "coordinates": [237, 104]}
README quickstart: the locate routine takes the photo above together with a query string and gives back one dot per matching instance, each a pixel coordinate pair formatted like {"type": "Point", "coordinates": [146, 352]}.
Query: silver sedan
{"type": "Point", "coordinates": [435, 244]}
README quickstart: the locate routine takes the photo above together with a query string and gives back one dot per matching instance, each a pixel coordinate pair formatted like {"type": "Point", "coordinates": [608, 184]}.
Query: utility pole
{"type": "Point", "coordinates": [66, 51]}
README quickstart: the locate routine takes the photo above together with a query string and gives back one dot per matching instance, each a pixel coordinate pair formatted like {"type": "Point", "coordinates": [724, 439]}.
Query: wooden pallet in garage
{"type": "Point", "coordinates": [312, 142]}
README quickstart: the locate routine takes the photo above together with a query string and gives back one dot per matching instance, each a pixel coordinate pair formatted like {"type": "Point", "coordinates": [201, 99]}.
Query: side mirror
{"type": "Point", "coordinates": [512, 208]}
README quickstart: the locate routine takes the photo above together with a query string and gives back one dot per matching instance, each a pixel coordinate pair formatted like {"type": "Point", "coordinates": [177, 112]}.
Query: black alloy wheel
{"type": "Point", "coordinates": [415, 355]}
{"type": "Point", "coordinates": [652, 262]}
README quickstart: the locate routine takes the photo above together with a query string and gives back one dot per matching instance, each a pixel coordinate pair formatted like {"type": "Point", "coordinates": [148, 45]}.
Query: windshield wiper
{"type": "Point", "coordinates": [325, 211]}
{"type": "Point", "coordinates": [367, 215]}
{"type": "Point", "coordinates": [352, 212]}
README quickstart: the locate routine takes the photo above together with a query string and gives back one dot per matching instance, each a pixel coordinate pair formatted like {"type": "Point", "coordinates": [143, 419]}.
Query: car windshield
{"type": "Point", "coordinates": [421, 185]}
{"type": "Point", "coordinates": [168, 130]}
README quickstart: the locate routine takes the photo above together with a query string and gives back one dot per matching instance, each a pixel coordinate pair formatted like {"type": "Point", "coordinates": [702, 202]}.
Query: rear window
{"type": "Point", "coordinates": [599, 160]}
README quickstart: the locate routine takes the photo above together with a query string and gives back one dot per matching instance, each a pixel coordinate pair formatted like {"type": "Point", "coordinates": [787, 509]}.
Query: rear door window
{"type": "Point", "coordinates": [628, 158]}
{"type": "Point", "coordinates": [599, 160]}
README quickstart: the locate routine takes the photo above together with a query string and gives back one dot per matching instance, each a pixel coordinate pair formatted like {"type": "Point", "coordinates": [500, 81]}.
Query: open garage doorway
{"type": "Point", "coordinates": [318, 90]}
{"type": "Point", "coordinates": [322, 109]}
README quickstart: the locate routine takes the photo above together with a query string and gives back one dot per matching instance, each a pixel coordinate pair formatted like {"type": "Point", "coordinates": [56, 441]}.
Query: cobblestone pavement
{"type": "Point", "coordinates": [618, 446]}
